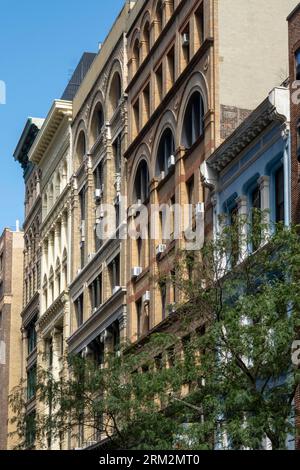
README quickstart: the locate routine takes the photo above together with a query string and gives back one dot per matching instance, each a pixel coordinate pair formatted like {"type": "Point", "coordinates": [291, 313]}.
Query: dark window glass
{"type": "Point", "coordinates": [165, 150]}
{"type": "Point", "coordinates": [279, 194]}
{"type": "Point", "coordinates": [79, 310]}
{"type": "Point", "coordinates": [31, 382]}
{"type": "Point", "coordinates": [31, 337]}
{"type": "Point", "coordinates": [193, 125]}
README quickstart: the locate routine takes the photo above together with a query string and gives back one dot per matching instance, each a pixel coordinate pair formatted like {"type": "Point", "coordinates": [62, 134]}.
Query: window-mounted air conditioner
{"type": "Point", "coordinates": [146, 297]}
{"type": "Point", "coordinates": [98, 193]}
{"type": "Point", "coordinates": [86, 352]}
{"type": "Point", "coordinates": [185, 39]}
{"type": "Point", "coordinates": [162, 176]}
{"type": "Point", "coordinates": [160, 249]}
{"type": "Point", "coordinates": [136, 271]}
{"type": "Point", "coordinates": [171, 162]}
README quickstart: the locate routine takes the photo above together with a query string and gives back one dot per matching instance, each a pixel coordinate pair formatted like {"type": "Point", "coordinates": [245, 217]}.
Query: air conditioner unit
{"type": "Point", "coordinates": [102, 366]}
{"type": "Point", "coordinates": [118, 354]}
{"type": "Point", "coordinates": [171, 162]}
{"type": "Point", "coordinates": [199, 209]}
{"type": "Point", "coordinates": [162, 176]}
{"type": "Point", "coordinates": [98, 193]}
{"type": "Point", "coordinates": [185, 39]}
{"type": "Point", "coordinates": [136, 271]}
{"type": "Point", "coordinates": [171, 308]}
{"type": "Point", "coordinates": [146, 297]}
{"type": "Point", "coordinates": [82, 230]}
{"type": "Point", "coordinates": [160, 249]}
{"type": "Point", "coordinates": [95, 309]}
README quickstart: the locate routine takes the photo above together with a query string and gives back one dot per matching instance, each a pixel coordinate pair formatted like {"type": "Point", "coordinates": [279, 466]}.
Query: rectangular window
{"type": "Point", "coordinates": [163, 294]}
{"type": "Point", "coordinates": [96, 292]}
{"type": "Point", "coordinates": [159, 85]}
{"type": "Point", "coordinates": [117, 154]}
{"type": "Point", "coordinates": [114, 274]}
{"type": "Point", "coordinates": [79, 310]}
{"type": "Point", "coordinates": [139, 317]}
{"type": "Point", "coordinates": [31, 382]}
{"type": "Point", "coordinates": [186, 44]}
{"type": "Point", "coordinates": [30, 429]}
{"type": "Point", "coordinates": [170, 68]}
{"type": "Point", "coordinates": [98, 176]}
{"type": "Point", "coordinates": [146, 104]}
{"type": "Point", "coordinates": [136, 119]}
{"type": "Point", "coordinates": [279, 195]}
{"type": "Point", "coordinates": [199, 27]}
{"type": "Point", "coordinates": [256, 218]}
{"type": "Point", "coordinates": [297, 64]}
{"type": "Point", "coordinates": [31, 337]}
{"type": "Point", "coordinates": [233, 222]}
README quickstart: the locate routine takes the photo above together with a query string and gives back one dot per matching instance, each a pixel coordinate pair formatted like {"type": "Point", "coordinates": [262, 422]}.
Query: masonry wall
{"type": "Point", "coordinates": [294, 44]}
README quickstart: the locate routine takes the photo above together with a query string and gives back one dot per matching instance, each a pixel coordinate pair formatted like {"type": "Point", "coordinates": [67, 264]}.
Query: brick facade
{"type": "Point", "coordinates": [294, 45]}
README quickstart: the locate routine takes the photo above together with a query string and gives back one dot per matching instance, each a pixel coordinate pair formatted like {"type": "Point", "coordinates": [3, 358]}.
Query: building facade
{"type": "Point", "coordinates": [32, 266]}
{"type": "Point", "coordinates": [99, 134]}
{"type": "Point", "coordinates": [294, 77]}
{"type": "Point", "coordinates": [189, 88]}
{"type": "Point", "coordinates": [11, 290]}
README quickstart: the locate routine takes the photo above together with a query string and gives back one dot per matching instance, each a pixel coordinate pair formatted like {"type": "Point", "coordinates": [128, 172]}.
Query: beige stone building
{"type": "Point", "coordinates": [32, 267]}
{"type": "Point", "coordinates": [99, 135]}
{"type": "Point", "coordinates": [11, 290]}
{"type": "Point", "coordinates": [51, 154]}
{"type": "Point", "coordinates": [172, 80]}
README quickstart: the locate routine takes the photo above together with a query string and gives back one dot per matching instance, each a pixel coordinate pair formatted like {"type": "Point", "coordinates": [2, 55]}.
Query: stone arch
{"type": "Point", "coordinates": [114, 89]}
{"type": "Point", "coordinates": [197, 82]}
{"type": "Point", "coordinates": [168, 120]}
{"type": "Point", "coordinates": [97, 112]}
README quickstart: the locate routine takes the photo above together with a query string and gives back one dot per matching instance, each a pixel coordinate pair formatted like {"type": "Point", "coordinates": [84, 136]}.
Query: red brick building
{"type": "Point", "coordinates": [294, 66]}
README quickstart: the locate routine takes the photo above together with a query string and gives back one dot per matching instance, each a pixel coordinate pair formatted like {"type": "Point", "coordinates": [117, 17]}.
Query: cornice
{"type": "Point", "coordinates": [255, 124]}
{"type": "Point", "coordinates": [59, 110]}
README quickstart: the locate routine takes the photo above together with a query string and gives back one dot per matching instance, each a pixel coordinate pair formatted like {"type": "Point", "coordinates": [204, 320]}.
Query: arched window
{"type": "Point", "coordinates": [166, 153]}
{"type": "Point", "coordinates": [193, 124]}
{"type": "Point", "coordinates": [115, 93]}
{"type": "Point", "coordinates": [80, 149]}
{"type": "Point", "coordinates": [146, 40]}
{"type": "Point", "coordinates": [136, 55]}
{"type": "Point", "coordinates": [97, 122]}
{"type": "Point", "coordinates": [141, 184]}
{"type": "Point", "coordinates": [159, 16]}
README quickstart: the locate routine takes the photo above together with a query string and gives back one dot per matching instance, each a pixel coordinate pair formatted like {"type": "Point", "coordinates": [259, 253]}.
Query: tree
{"type": "Point", "coordinates": [223, 378]}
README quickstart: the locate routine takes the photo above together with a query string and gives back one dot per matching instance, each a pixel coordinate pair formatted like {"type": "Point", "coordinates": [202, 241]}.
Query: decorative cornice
{"type": "Point", "coordinates": [54, 308]}
{"type": "Point", "coordinates": [59, 110]}
{"type": "Point", "coordinates": [269, 111]}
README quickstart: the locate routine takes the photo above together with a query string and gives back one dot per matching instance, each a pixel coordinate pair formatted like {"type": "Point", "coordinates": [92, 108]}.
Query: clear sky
{"type": "Point", "coordinates": [41, 42]}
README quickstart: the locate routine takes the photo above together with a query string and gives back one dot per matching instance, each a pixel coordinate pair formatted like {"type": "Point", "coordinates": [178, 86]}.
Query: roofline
{"type": "Point", "coordinates": [297, 7]}
{"type": "Point", "coordinates": [38, 122]}
{"type": "Point", "coordinates": [270, 110]}
{"type": "Point", "coordinates": [58, 111]}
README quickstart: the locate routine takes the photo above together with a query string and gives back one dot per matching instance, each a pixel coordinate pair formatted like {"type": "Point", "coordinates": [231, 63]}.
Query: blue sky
{"type": "Point", "coordinates": [41, 43]}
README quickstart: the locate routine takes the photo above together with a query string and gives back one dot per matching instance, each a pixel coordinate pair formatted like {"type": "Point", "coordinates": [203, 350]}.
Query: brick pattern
{"type": "Point", "coordinates": [294, 45]}
{"type": "Point", "coordinates": [231, 118]}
